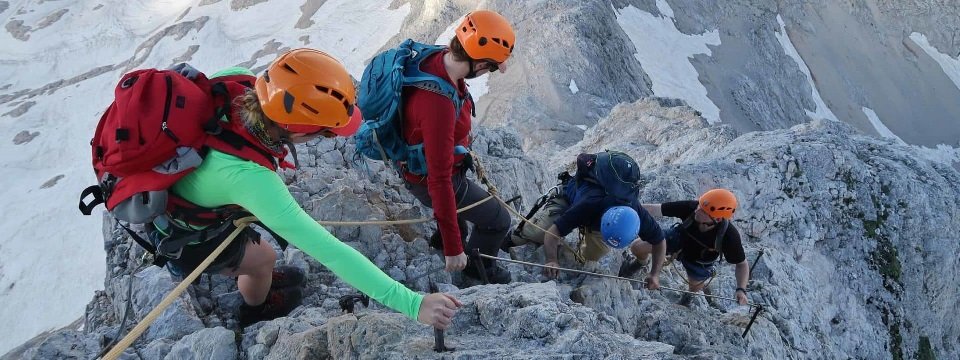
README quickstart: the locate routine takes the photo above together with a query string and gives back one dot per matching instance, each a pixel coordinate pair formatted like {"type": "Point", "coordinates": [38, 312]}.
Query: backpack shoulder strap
{"type": "Point", "coordinates": [721, 235]}
{"type": "Point", "coordinates": [413, 76]}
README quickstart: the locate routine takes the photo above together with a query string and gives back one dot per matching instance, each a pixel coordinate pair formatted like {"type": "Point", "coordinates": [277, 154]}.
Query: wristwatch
{"type": "Point", "coordinates": [740, 289]}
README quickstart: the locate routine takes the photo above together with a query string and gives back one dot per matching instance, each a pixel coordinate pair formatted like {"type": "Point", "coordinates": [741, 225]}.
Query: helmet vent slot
{"type": "Point", "coordinates": [310, 108]}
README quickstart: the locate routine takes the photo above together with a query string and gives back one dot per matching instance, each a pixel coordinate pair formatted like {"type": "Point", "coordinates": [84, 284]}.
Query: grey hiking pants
{"type": "Point", "coordinates": [490, 220]}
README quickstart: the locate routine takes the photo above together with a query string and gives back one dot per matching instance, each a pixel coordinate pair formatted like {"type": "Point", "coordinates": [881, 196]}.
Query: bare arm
{"type": "Point", "coordinates": [659, 253]}
{"type": "Point", "coordinates": [742, 273]}
{"type": "Point", "coordinates": [653, 209]}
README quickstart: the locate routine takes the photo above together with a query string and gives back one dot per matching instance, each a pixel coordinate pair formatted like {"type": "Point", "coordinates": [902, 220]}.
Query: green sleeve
{"type": "Point", "coordinates": [225, 179]}
{"type": "Point", "coordinates": [234, 70]}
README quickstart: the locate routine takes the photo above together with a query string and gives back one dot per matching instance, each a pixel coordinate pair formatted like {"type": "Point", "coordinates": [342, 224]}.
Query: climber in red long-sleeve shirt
{"type": "Point", "coordinates": [483, 42]}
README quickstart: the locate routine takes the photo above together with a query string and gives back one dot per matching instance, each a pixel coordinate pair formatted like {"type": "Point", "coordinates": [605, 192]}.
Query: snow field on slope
{"type": "Point", "coordinates": [664, 53]}
{"type": "Point", "coordinates": [50, 269]}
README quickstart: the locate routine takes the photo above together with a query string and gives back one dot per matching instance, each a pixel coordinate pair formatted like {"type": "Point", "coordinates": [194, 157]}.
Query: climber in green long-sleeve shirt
{"type": "Point", "coordinates": [304, 94]}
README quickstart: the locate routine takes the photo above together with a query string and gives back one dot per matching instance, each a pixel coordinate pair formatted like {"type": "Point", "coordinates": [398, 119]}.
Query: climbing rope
{"type": "Point", "coordinates": [399, 222]}
{"type": "Point", "coordinates": [611, 277]}
{"type": "Point", "coordinates": [242, 223]}
{"type": "Point", "coordinates": [481, 172]}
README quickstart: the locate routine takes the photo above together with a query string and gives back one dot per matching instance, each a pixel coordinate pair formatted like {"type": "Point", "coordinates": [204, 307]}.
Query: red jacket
{"type": "Point", "coordinates": [430, 118]}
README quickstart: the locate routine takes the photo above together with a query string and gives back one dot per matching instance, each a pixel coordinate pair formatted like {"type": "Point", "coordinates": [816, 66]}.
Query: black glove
{"type": "Point", "coordinates": [467, 162]}
{"type": "Point", "coordinates": [185, 70]}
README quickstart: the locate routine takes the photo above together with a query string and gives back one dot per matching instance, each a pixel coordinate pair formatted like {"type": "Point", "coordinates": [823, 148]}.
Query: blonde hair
{"type": "Point", "coordinates": [250, 111]}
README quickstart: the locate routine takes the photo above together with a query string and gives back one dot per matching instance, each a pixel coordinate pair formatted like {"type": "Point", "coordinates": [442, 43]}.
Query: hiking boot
{"type": "Point", "coordinates": [631, 266]}
{"type": "Point", "coordinates": [495, 273]}
{"type": "Point", "coordinates": [286, 276]}
{"type": "Point", "coordinates": [279, 303]}
{"type": "Point", "coordinates": [685, 300]}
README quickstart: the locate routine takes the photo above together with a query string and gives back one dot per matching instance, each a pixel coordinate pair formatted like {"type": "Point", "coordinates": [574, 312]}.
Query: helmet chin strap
{"type": "Point", "coordinates": [473, 71]}
{"type": "Point", "coordinates": [285, 140]}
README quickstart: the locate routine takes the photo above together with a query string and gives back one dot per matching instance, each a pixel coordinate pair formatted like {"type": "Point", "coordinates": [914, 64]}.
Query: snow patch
{"type": "Point", "coordinates": [822, 111]}
{"type": "Point", "coordinates": [664, 8]}
{"type": "Point", "coordinates": [950, 65]}
{"type": "Point", "coordinates": [879, 126]}
{"type": "Point", "coordinates": [573, 87]}
{"type": "Point", "coordinates": [942, 153]}
{"type": "Point", "coordinates": [478, 86]}
{"type": "Point", "coordinates": [68, 259]}
{"type": "Point", "coordinates": [664, 53]}
{"type": "Point", "coordinates": [581, 127]}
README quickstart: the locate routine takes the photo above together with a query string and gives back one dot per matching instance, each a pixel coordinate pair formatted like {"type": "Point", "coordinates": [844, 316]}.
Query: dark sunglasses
{"type": "Point", "coordinates": [493, 66]}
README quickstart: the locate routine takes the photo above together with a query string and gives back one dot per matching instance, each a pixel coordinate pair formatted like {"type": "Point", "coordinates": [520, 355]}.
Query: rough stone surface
{"type": "Point", "coordinates": [844, 246]}
{"type": "Point", "coordinates": [52, 182]}
{"type": "Point", "coordinates": [20, 109]}
{"type": "Point", "coordinates": [211, 343]}
{"type": "Point", "coordinates": [24, 137]}
{"type": "Point", "coordinates": [237, 5]}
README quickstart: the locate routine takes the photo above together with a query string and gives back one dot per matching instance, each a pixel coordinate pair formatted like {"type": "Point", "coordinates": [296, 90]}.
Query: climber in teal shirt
{"type": "Point", "coordinates": [286, 105]}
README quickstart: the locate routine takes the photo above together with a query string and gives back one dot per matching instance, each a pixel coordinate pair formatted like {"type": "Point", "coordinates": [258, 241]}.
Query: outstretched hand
{"type": "Point", "coordinates": [438, 309]}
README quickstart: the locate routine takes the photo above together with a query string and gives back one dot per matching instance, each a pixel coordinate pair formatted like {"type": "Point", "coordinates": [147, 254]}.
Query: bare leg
{"type": "Point", "coordinates": [255, 272]}
{"type": "Point", "coordinates": [695, 286]}
{"type": "Point", "coordinates": [641, 250]}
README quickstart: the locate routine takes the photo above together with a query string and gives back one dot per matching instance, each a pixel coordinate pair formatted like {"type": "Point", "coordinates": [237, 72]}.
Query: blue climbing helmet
{"type": "Point", "coordinates": [619, 226]}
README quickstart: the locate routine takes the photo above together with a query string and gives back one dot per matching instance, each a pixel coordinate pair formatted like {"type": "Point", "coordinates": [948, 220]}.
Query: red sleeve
{"type": "Point", "coordinates": [435, 114]}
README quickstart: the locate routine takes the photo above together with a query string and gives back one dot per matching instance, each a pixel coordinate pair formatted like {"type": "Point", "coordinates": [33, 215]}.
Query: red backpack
{"type": "Point", "coordinates": [155, 133]}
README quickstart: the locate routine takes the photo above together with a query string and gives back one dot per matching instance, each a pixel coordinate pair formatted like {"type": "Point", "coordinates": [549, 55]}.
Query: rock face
{"type": "Point", "coordinates": [852, 228]}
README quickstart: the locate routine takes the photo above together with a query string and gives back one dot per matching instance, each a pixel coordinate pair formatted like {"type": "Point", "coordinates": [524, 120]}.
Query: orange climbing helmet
{"type": "Point", "coordinates": [486, 35]}
{"type": "Point", "coordinates": [306, 90]}
{"type": "Point", "coordinates": [719, 203]}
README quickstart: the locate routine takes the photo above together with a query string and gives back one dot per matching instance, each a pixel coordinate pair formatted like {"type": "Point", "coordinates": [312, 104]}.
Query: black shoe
{"type": "Point", "coordinates": [631, 266]}
{"type": "Point", "coordinates": [686, 300]}
{"type": "Point", "coordinates": [286, 276]}
{"type": "Point", "coordinates": [279, 303]}
{"type": "Point", "coordinates": [495, 274]}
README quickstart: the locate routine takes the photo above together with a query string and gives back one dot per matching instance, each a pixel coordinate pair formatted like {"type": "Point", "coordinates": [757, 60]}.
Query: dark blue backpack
{"type": "Point", "coordinates": [379, 98]}
{"type": "Point", "coordinates": [616, 172]}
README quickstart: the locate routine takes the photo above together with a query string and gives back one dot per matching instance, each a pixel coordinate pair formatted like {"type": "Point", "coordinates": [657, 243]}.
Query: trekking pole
{"type": "Point", "coordinates": [752, 319]}
{"type": "Point", "coordinates": [754, 264]}
{"type": "Point", "coordinates": [481, 269]}
{"type": "Point", "coordinates": [172, 296]}
{"type": "Point", "coordinates": [438, 343]}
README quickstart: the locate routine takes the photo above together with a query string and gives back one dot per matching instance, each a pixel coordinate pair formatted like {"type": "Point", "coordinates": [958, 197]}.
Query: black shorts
{"type": "Point", "coordinates": [230, 258]}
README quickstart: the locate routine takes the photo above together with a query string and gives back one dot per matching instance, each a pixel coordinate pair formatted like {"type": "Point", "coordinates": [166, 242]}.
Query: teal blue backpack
{"type": "Point", "coordinates": [379, 98]}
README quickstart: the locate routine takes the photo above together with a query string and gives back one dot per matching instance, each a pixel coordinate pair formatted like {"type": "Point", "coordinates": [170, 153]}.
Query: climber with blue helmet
{"type": "Point", "coordinates": [602, 201]}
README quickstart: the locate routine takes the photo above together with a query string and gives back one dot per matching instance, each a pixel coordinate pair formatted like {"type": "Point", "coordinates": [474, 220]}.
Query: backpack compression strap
{"type": "Point", "coordinates": [98, 199]}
